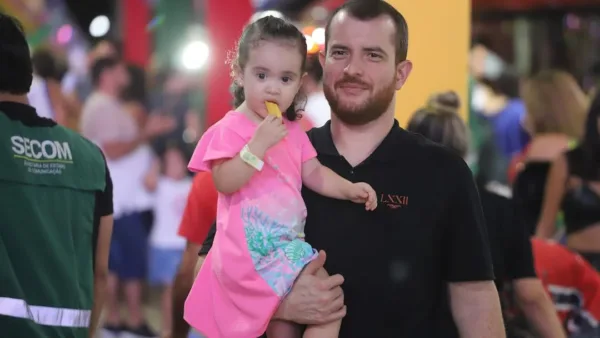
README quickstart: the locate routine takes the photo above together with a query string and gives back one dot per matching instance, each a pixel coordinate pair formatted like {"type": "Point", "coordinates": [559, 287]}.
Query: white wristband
{"type": "Point", "coordinates": [252, 160]}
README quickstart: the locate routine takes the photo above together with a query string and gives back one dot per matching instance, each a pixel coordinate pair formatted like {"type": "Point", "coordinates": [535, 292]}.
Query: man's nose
{"type": "Point", "coordinates": [354, 66]}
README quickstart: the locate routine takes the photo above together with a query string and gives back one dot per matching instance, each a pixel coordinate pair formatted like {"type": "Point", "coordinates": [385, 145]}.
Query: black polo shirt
{"type": "Point", "coordinates": [428, 230]}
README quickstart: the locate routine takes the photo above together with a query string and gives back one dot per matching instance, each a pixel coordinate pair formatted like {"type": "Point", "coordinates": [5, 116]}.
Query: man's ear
{"type": "Point", "coordinates": [403, 70]}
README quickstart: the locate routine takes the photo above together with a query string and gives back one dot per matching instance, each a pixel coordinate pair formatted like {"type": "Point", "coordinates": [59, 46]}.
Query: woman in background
{"type": "Point", "coordinates": [574, 186]}
{"type": "Point", "coordinates": [509, 243]}
{"type": "Point", "coordinates": [556, 110]}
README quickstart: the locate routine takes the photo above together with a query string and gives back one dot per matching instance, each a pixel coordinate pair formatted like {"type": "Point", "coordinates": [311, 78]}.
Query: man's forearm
{"type": "Point", "coordinates": [100, 284]}
{"type": "Point", "coordinates": [476, 310]}
{"type": "Point", "coordinates": [181, 288]}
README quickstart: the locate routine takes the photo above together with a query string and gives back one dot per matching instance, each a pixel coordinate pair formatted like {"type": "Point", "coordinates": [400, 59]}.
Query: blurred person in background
{"type": "Point", "coordinates": [170, 183]}
{"type": "Point", "coordinates": [556, 110]}
{"type": "Point", "coordinates": [135, 103]}
{"type": "Point", "coordinates": [107, 123]}
{"type": "Point", "coordinates": [199, 215]}
{"type": "Point", "coordinates": [497, 101]}
{"type": "Point", "coordinates": [317, 108]}
{"type": "Point", "coordinates": [511, 250]}
{"type": "Point", "coordinates": [171, 97]}
{"type": "Point", "coordinates": [56, 208]}
{"type": "Point", "coordinates": [573, 284]}
{"type": "Point", "coordinates": [573, 186]}
{"type": "Point", "coordinates": [45, 94]}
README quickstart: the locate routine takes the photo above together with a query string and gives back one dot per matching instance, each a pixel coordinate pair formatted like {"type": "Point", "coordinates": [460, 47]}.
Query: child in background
{"type": "Point", "coordinates": [259, 164]}
{"type": "Point", "coordinates": [170, 182]}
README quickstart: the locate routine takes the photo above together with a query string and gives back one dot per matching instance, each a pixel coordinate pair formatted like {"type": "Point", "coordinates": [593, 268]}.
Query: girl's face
{"type": "Point", "coordinates": [272, 73]}
{"type": "Point", "coordinates": [174, 163]}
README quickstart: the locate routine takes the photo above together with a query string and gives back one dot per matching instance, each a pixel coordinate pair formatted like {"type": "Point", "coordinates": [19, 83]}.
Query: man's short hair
{"type": "Point", "coordinates": [16, 71]}
{"type": "Point", "coordinates": [365, 10]}
{"type": "Point", "coordinates": [100, 66]}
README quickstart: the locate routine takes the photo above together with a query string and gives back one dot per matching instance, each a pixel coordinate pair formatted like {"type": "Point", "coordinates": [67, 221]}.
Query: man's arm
{"type": "Point", "coordinates": [181, 288]}
{"type": "Point", "coordinates": [101, 244]}
{"type": "Point", "coordinates": [476, 309]}
{"type": "Point", "coordinates": [198, 217]}
{"type": "Point", "coordinates": [468, 269]}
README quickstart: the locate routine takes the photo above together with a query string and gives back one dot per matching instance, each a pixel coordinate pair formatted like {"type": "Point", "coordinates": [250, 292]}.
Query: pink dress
{"type": "Point", "coordinates": [259, 249]}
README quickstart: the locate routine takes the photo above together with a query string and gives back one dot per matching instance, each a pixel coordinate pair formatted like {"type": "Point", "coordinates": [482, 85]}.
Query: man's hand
{"type": "Point", "coordinates": [312, 300]}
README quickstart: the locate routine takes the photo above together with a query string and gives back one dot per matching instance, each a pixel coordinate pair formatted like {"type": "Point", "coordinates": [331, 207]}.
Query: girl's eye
{"type": "Point", "coordinates": [262, 76]}
{"type": "Point", "coordinates": [286, 79]}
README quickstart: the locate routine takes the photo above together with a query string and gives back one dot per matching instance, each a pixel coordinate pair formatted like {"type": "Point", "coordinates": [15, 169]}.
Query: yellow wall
{"type": "Point", "coordinates": [439, 38]}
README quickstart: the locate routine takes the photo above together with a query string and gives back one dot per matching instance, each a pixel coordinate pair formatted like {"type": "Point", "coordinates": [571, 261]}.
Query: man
{"type": "Point", "coordinates": [56, 211]}
{"type": "Point", "coordinates": [200, 212]}
{"type": "Point", "coordinates": [105, 122]}
{"type": "Point", "coordinates": [419, 265]}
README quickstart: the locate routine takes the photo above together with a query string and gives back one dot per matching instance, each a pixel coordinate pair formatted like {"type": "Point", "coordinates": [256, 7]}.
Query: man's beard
{"type": "Point", "coordinates": [360, 114]}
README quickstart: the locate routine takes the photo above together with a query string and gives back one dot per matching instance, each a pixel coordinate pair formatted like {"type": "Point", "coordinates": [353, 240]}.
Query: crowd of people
{"type": "Point", "coordinates": [356, 228]}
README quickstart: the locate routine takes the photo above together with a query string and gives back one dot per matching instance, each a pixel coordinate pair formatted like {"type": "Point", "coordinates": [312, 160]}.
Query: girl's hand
{"type": "Point", "coordinates": [363, 193]}
{"type": "Point", "coordinates": [269, 133]}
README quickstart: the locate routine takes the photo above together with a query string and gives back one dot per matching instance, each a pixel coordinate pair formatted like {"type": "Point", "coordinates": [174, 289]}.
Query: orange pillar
{"type": "Point", "coordinates": [439, 38]}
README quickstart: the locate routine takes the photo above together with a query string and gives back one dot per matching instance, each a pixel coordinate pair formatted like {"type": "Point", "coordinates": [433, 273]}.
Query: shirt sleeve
{"type": "Point", "coordinates": [200, 210]}
{"type": "Point", "coordinates": [104, 199]}
{"type": "Point", "coordinates": [467, 249]}
{"type": "Point", "coordinates": [518, 251]}
{"type": "Point", "coordinates": [219, 142]}
{"type": "Point", "coordinates": [208, 242]}
{"type": "Point", "coordinates": [307, 150]}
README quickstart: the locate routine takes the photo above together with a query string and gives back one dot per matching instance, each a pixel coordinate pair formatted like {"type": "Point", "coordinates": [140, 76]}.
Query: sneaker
{"type": "Point", "coordinates": [142, 331]}
{"type": "Point", "coordinates": [111, 331]}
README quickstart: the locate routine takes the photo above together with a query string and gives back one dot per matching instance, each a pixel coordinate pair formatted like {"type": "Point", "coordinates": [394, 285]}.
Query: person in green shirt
{"type": "Point", "coordinates": [55, 212]}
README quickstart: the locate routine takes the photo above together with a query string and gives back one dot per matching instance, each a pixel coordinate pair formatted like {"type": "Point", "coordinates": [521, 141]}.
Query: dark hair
{"type": "Point", "coordinates": [506, 84]}
{"type": "Point", "coordinates": [365, 10]}
{"type": "Point", "coordinates": [136, 90]}
{"type": "Point", "coordinates": [439, 122]}
{"type": "Point", "coordinates": [44, 63]}
{"type": "Point", "coordinates": [101, 65]}
{"type": "Point", "coordinates": [266, 29]}
{"type": "Point", "coordinates": [16, 71]}
{"type": "Point", "coordinates": [313, 68]}
{"type": "Point", "coordinates": [590, 145]}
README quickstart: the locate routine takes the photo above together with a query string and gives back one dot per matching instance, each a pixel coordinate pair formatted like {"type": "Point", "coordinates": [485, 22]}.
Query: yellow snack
{"type": "Point", "coordinates": [273, 109]}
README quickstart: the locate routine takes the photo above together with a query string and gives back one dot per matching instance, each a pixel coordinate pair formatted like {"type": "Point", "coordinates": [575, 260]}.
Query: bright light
{"type": "Point", "coordinates": [318, 36]}
{"type": "Point", "coordinates": [99, 26]}
{"type": "Point", "coordinates": [195, 55]}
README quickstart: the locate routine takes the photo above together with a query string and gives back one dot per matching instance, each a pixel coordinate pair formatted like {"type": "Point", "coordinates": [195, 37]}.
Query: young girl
{"type": "Point", "coordinates": [259, 164]}
{"type": "Point", "coordinates": [171, 185]}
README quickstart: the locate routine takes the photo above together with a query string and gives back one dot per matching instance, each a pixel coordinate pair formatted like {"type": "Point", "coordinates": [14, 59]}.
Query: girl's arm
{"type": "Point", "coordinates": [231, 174]}
{"type": "Point", "coordinates": [324, 181]}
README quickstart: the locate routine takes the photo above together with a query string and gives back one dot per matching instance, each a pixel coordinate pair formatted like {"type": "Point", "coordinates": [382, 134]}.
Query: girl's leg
{"type": "Point", "coordinates": [329, 330]}
{"type": "Point", "coordinates": [282, 329]}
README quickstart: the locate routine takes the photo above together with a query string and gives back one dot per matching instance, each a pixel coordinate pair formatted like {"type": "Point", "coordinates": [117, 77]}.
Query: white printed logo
{"type": "Point", "coordinates": [42, 157]}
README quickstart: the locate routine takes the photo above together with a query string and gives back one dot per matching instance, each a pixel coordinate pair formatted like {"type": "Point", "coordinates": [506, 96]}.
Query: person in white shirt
{"type": "Point", "coordinates": [125, 145]}
{"type": "Point", "coordinates": [317, 108]}
{"type": "Point", "coordinates": [171, 184]}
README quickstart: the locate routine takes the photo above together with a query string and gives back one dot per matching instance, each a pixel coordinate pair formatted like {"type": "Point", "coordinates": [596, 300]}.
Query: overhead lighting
{"type": "Point", "coordinates": [195, 55]}
{"type": "Point", "coordinates": [99, 26]}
